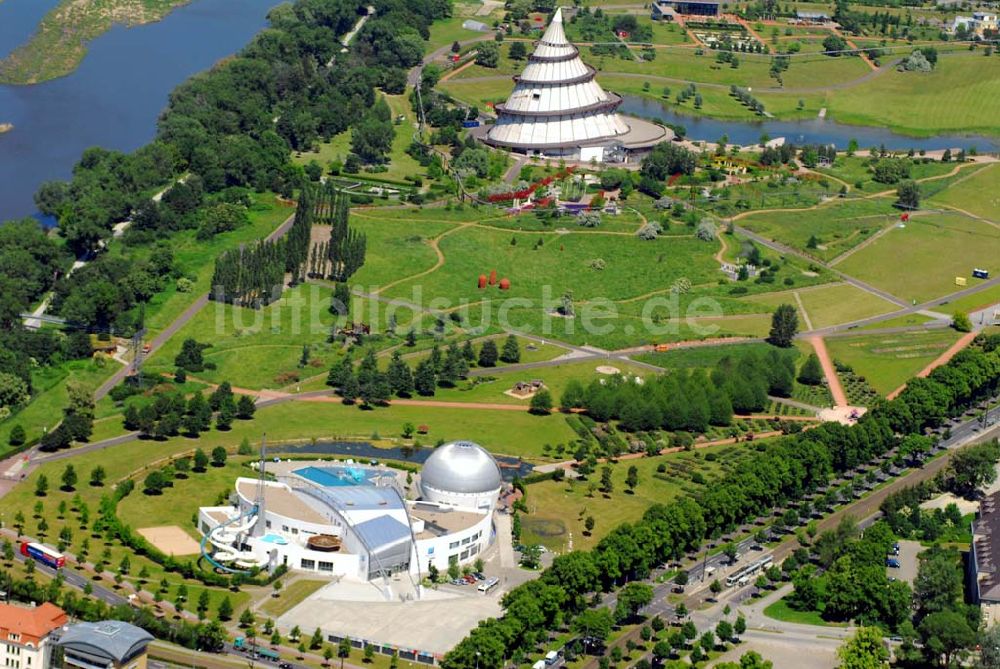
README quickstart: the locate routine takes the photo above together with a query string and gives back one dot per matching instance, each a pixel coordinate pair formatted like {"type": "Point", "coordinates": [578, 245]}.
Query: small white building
{"type": "Point", "coordinates": [356, 522]}
{"type": "Point", "coordinates": [976, 25]}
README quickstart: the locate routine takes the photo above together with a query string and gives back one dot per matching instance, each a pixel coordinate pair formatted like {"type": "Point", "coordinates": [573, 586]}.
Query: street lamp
{"type": "Point", "coordinates": [477, 659]}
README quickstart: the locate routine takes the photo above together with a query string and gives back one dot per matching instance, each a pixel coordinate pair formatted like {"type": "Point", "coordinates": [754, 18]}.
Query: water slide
{"type": "Point", "coordinates": [222, 538]}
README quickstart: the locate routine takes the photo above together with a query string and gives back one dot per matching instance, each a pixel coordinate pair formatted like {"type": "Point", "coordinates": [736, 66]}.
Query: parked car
{"type": "Point", "coordinates": [457, 581]}
{"type": "Point", "coordinates": [892, 563]}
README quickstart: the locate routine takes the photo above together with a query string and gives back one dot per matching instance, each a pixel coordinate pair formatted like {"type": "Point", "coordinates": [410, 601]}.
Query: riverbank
{"type": "Point", "coordinates": [62, 38]}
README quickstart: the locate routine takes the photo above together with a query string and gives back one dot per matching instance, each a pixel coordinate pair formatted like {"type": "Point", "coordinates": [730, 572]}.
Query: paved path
{"type": "Point", "coordinates": [836, 390]}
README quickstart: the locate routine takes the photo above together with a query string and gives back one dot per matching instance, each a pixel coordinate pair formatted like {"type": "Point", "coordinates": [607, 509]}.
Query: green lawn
{"type": "Point", "coordinates": [632, 266]}
{"type": "Point", "coordinates": [291, 596]}
{"type": "Point", "coordinates": [258, 348]}
{"type": "Point", "coordinates": [969, 303]}
{"type": "Point", "coordinates": [979, 194]}
{"type": "Point", "coordinates": [961, 95]}
{"type": "Point", "coordinates": [920, 260]}
{"type": "Point", "coordinates": [837, 227]}
{"type": "Point", "coordinates": [830, 304]}
{"type": "Point", "coordinates": [557, 510]}
{"type": "Point", "coordinates": [886, 361]}
{"type": "Point", "coordinates": [780, 610]}
{"type": "Point", "coordinates": [45, 409]}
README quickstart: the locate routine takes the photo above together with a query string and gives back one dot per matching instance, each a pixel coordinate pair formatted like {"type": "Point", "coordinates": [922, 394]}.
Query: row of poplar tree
{"type": "Point", "coordinates": [253, 275]}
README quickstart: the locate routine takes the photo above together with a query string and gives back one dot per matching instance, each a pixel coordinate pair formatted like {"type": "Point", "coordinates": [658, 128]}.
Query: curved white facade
{"type": "Point", "coordinates": [557, 107]}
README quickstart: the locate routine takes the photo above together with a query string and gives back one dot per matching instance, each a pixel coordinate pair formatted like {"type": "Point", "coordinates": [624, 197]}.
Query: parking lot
{"type": "Point", "coordinates": [908, 562]}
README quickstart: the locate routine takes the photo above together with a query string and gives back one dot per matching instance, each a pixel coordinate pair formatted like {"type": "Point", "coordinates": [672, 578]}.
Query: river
{"type": "Point", "coordinates": [815, 131]}
{"type": "Point", "coordinates": [114, 97]}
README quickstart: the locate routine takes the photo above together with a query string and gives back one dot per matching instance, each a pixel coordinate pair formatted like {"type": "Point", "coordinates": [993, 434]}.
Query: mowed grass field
{"type": "Point", "coordinates": [557, 511]}
{"type": "Point", "coordinates": [252, 348]}
{"type": "Point", "coordinates": [979, 194]}
{"type": "Point", "coordinates": [961, 95]}
{"type": "Point", "coordinates": [828, 305]}
{"type": "Point", "coordinates": [920, 260]}
{"type": "Point", "coordinates": [889, 360]}
{"type": "Point", "coordinates": [632, 266]}
{"type": "Point", "coordinates": [837, 227]}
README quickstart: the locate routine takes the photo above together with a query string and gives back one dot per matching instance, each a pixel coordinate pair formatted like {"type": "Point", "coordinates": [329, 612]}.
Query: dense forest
{"type": "Point", "coordinates": [782, 470]}
{"type": "Point", "coordinates": [687, 401]}
{"type": "Point", "coordinates": [225, 134]}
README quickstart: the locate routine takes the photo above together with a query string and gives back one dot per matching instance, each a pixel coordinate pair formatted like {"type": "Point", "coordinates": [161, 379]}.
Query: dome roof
{"type": "Point", "coordinates": [462, 467]}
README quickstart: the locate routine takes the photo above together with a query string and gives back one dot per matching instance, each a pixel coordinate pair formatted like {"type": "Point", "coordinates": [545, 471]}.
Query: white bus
{"type": "Point", "coordinates": [488, 584]}
{"type": "Point", "coordinates": [742, 575]}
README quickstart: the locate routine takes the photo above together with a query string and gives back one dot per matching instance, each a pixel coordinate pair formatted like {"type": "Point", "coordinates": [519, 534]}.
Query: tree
{"type": "Point", "coordinates": [245, 407]}
{"type": "Point", "coordinates": [908, 195]}
{"type": "Point", "coordinates": [541, 403]}
{"type": "Point", "coordinates": [724, 630]}
{"type": "Point", "coordinates": [740, 626]}
{"type": "Point", "coordinates": [69, 478]}
{"type": "Point", "coordinates": [369, 655]}
{"type": "Point", "coordinates": [41, 485]}
{"type": "Point", "coordinates": [634, 596]}
{"type": "Point", "coordinates": [219, 456]}
{"type": "Point", "coordinates": [784, 326]}
{"type": "Point", "coordinates": [154, 483]}
{"type": "Point", "coordinates": [487, 54]}
{"type": "Point", "coordinates": [316, 640]}
{"type": "Point", "coordinates": [811, 373]}
{"type": "Point", "coordinates": [202, 606]}
{"type": "Point", "coordinates": [200, 460]}
{"type": "Point", "coordinates": [488, 354]}
{"type": "Point", "coordinates": [511, 350]}
{"type": "Point", "coordinates": [225, 610]}
{"type": "Point", "coordinates": [16, 436]}
{"type": "Point", "coordinates": [97, 476]}
{"type": "Point", "coordinates": [632, 478]}
{"type": "Point", "coordinates": [607, 485]}
{"type": "Point", "coordinates": [594, 624]}
{"type": "Point", "coordinates": [517, 51]}
{"type": "Point", "coordinates": [944, 633]}
{"type": "Point", "coordinates": [989, 652]}
{"type": "Point", "coordinates": [715, 587]}
{"type": "Point", "coordinates": [343, 650]}
{"type": "Point", "coordinates": [425, 378]}
{"type": "Point", "coordinates": [960, 321]}
{"type": "Point", "coordinates": [833, 45]}
{"type": "Point", "coordinates": [399, 377]}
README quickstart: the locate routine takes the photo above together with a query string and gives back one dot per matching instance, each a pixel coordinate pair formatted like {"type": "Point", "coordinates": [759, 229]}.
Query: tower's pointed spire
{"type": "Point", "coordinates": [554, 34]}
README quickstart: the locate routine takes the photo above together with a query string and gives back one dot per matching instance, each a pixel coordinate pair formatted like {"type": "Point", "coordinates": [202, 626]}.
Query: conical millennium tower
{"type": "Point", "coordinates": [558, 109]}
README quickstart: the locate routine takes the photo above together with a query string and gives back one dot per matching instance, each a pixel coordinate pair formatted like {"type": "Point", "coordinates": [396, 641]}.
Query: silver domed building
{"type": "Point", "coordinates": [461, 474]}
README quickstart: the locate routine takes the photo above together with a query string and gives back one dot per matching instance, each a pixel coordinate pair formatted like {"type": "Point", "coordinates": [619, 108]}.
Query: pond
{"type": "Point", "coordinates": [814, 131]}
{"type": "Point", "coordinates": [363, 450]}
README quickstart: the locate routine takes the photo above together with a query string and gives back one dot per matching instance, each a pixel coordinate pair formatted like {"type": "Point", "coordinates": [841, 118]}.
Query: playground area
{"type": "Point", "coordinates": [170, 539]}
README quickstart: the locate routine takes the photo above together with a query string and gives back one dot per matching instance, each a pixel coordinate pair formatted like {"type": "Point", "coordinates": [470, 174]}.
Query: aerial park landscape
{"type": "Point", "coordinates": [484, 334]}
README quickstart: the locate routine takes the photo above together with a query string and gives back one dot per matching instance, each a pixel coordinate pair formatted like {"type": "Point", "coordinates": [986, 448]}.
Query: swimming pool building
{"type": "Point", "coordinates": [360, 522]}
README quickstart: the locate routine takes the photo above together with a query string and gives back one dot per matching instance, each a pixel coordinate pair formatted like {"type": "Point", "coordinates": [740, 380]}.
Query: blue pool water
{"type": "Point", "coordinates": [274, 539]}
{"type": "Point", "coordinates": [336, 476]}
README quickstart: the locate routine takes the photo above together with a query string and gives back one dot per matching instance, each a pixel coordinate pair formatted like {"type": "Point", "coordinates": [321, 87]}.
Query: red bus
{"type": "Point", "coordinates": [43, 554]}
